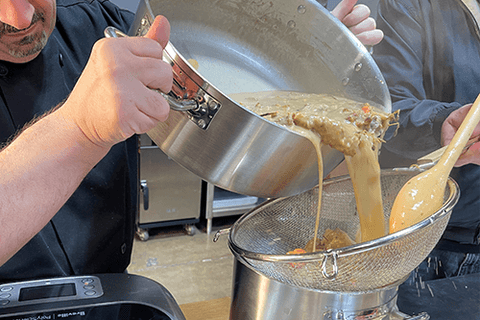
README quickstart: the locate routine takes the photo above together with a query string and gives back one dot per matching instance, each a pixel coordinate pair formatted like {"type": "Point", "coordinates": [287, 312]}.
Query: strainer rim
{"type": "Point", "coordinates": [349, 250]}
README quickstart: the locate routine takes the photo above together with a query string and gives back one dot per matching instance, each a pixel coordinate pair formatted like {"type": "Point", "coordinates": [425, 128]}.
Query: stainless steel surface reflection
{"type": "Point", "coordinates": [250, 46]}
{"type": "Point", "coordinates": [256, 297]}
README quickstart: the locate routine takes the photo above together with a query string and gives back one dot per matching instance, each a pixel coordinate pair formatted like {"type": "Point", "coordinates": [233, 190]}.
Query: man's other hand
{"type": "Point", "coordinates": [357, 19]}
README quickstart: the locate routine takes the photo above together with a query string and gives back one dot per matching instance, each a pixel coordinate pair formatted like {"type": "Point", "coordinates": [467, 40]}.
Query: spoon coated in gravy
{"type": "Point", "coordinates": [423, 194]}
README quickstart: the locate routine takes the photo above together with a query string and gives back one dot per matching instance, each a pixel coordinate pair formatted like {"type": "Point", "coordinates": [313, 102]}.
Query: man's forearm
{"type": "Point", "coordinates": [39, 171]}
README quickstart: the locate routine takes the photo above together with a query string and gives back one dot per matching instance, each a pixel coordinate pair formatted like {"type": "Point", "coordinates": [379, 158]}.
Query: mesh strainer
{"type": "Point", "coordinates": [262, 237]}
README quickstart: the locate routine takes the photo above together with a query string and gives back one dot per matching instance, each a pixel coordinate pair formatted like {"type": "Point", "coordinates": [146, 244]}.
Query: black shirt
{"type": "Point", "coordinates": [93, 232]}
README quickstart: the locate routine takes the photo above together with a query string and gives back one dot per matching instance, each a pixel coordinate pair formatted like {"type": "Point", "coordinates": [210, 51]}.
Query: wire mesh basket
{"type": "Point", "coordinates": [262, 237]}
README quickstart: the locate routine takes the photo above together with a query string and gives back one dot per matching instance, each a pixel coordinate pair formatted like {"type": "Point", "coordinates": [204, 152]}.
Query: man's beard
{"type": "Point", "coordinates": [30, 44]}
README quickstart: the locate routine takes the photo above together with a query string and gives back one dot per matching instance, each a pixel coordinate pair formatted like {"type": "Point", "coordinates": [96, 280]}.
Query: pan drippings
{"type": "Point", "coordinates": [354, 128]}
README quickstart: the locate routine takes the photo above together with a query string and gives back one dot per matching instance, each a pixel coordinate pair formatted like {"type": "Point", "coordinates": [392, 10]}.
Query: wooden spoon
{"type": "Point", "coordinates": [423, 194]}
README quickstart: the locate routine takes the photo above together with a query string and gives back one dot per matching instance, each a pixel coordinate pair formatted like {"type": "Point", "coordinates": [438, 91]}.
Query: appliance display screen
{"type": "Point", "coordinates": [48, 291]}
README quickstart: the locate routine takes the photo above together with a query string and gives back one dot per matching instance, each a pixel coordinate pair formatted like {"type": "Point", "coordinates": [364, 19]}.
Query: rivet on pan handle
{"type": "Point", "coordinates": [333, 255]}
{"type": "Point", "coordinates": [175, 104]}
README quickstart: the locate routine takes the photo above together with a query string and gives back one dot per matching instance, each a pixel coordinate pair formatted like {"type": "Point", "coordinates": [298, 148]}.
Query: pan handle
{"type": "Point", "coordinates": [175, 104]}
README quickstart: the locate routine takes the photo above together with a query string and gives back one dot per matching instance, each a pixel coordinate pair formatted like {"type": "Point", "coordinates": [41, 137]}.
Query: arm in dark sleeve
{"type": "Point", "coordinates": [120, 18]}
{"type": "Point", "coordinates": [407, 62]}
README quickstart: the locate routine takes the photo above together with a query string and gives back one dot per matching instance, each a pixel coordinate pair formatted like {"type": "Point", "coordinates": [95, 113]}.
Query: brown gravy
{"type": "Point", "coordinates": [354, 128]}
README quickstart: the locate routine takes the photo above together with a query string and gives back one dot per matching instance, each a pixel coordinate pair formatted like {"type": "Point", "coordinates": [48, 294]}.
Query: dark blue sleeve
{"type": "Point", "coordinates": [115, 16]}
{"type": "Point", "coordinates": [407, 60]}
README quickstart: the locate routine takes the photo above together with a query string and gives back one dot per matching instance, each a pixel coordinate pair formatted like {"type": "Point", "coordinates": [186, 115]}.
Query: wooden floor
{"type": "Point", "coordinates": [217, 309]}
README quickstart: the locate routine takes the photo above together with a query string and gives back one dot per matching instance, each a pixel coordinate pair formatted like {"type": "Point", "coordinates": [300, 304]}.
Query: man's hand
{"type": "Point", "coordinates": [357, 19]}
{"type": "Point", "coordinates": [450, 127]}
{"type": "Point", "coordinates": [112, 100]}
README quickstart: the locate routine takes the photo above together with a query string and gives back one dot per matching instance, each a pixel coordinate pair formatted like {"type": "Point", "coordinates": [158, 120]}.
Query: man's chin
{"type": "Point", "coordinates": [22, 59]}
{"type": "Point", "coordinates": [28, 51]}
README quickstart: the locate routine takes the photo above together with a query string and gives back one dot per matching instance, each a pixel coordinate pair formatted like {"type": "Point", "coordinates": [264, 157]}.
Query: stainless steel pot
{"type": "Point", "coordinates": [257, 297]}
{"type": "Point", "coordinates": [245, 46]}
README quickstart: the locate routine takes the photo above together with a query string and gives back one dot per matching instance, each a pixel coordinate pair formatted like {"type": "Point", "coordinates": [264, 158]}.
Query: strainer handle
{"type": "Point", "coordinates": [221, 232]}
{"type": "Point", "coordinates": [325, 274]}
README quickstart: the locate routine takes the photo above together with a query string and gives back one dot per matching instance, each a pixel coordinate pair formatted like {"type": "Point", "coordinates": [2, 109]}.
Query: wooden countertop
{"type": "Point", "coordinates": [217, 309]}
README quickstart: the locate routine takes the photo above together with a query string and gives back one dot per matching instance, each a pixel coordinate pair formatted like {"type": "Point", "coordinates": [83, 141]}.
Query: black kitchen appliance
{"type": "Point", "coordinates": [102, 296]}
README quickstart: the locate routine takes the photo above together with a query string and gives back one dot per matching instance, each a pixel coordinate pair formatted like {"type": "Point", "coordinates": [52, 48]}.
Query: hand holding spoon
{"type": "Point", "coordinates": [423, 194]}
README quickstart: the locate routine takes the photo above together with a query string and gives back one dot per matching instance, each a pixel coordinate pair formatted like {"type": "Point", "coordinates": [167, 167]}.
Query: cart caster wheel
{"type": "Point", "coordinates": [190, 229]}
{"type": "Point", "coordinates": [143, 235]}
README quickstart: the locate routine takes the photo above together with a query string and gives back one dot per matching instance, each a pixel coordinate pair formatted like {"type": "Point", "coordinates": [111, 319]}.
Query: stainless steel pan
{"type": "Point", "coordinates": [245, 46]}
